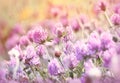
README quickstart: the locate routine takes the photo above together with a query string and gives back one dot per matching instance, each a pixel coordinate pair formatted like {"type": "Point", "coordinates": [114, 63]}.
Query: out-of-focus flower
{"type": "Point", "coordinates": [69, 48]}
{"type": "Point", "coordinates": [70, 61]}
{"type": "Point", "coordinates": [69, 34]}
{"type": "Point", "coordinates": [114, 66]}
{"type": "Point", "coordinates": [30, 52]}
{"type": "Point", "coordinates": [64, 19]}
{"type": "Point", "coordinates": [107, 56]}
{"type": "Point", "coordinates": [24, 41]}
{"type": "Point", "coordinates": [39, 35]}
{"type": "Point", "coordinates": [12, 41]}
{"type": "Point", "coordinates": [17, 29]}
{"type": "Point", "coordinates": [91, 70]}
{"type": "Point", "coordinates": [118, 48]}
{"type": "Point", "coordinates": [3, 73]}
{"type": "Point", "coordinates": [30, 35]}
{"type": "Point", "coordinates": [54, 67]}
{"type": "Point", "coordinates": [106, 40]}
{"type": "Point", "coordinates": [31, 57]}
{"type": "Point", "coordinates": [40, 50]}
{"type": "Point", "coordinates": [94, 42]}
{"type": "Point", "coordinates": [34, 61]}
{"type": "Point", "coordinates": [75, 25]}
{"type": "Point", "coordinates": [81, 50]}
{"type": "Point", "coordinates": [58, 30]}
{"type": "Point", "coordinates": [100, 6]}
{"type": "Point", "coordinates": [117, 8]}
{"type": "Point", "coordinates": [115, 18]}
{"type": "Point", "coordinates": [83, 19]}
{"type": "Point", "coordinates": [55, 10]}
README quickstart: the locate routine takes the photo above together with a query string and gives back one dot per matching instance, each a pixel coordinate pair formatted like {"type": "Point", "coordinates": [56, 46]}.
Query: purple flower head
{"type": "Point", "coordinates": [54, 67]}
{"type": "Point", "coordinates": [83, 19]}
{"type": "Point", "coordinates": [30, 35]}
{"type": "Point", "coordinates": [115, 18]}
{"type": "Point", "coordinates": [75, 24]}
{"type": "Point", "coordinates": [12, 41]}
{"type": "Point", "coordinates": [31, 57]}
{"type": "Point", "coordinates": [3, 71]}
{"type": "Point", "coordinates": [107, 56]}
{"type": "Point", "coordinates": [100, 6]}
{"type": "Point", "coordinates": [3, 74]}
{"type": "Point", "coordinates": [117, 8]}
{"type": "Point", "coordinates": [106, 40]}
{"type": "Point", "coordinates": [81, 50]}
{"type": "Point", "coordinates": [30, 52]}
{"type": "Point", "coordinates": [39, 35]}
{"type": "Point", "coordinates": [118, 48]}
{"type": "Point", "coordinates": [40, 50]}
{"type": "Point", "coordinates": [58, 30]}
{"type": "Point", "coordinates": [94, 42]}
{"type": "Point", "coordinates": [24, 40]}
{"type": "Point", "coordinates": [35, 61]}
{"type": "Point", "coordinates": [70, 61]}
{"type": "Point", "coordinates": [54, 11]}
{"type": "Point", "coordinates": [17, 29]}
{"type": "Point", "coordinates": [69, 34]}
{"type": "Point", "coordinates": [69, 48]}
{"type": "Point", "coordinates": [64, 19]}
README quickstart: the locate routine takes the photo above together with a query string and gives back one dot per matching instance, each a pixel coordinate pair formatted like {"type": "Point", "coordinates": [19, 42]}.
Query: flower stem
{"type": "Point", "coordinates": [108, 19]}
{"type": "Point", "coordinates": [33, 71]}
{"type": "Point", "coordinates": [61, 63]}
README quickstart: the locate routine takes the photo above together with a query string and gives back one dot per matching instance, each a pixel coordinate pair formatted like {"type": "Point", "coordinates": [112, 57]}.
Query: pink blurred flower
{"type": "Point", "coordinates": [70, 61]}
{"type": "Point", "coordinates": [12, 41]}
{"type": "Point", "coordinates": [30, 35]}
{"type": "Point", "coordinates": [115, 18]}
{"type": "Point", "coordinates": [94, 42]}
{"type": "Point", "coordinates": [54, 67]}
{"type": "Point", "coordinates": [40, 50]}
{"type": "Point", "coordinates": [24, 40]}
{"type": "Point", "coordinates": [39, 35]}
{"type": "Point", "coordinates": [117, 8]}
{"type": "Point", "coordinates": [75, 25]}
{"type": "Point", "coordinates": [17, 29]}
{"type": "Point", "coordinates": [58, 30]}
{"type": "Point", "coordinates": [100, 6]}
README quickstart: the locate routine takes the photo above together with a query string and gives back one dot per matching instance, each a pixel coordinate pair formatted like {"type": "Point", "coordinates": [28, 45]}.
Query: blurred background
{"type": "Point", "coordinates": [16, 16]}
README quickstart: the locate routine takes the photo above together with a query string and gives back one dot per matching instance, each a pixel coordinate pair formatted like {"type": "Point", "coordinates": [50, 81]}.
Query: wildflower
{"type": "Point", "coordinates": [81, 50]}
{"type": "Point", "coordinates": [117, 8]}
{"type": "Point", "coordinates": [94, 42]}
{"type": "Point", "coordinates": [70, 61]}
{"type": "Point", "coordinates": [54, 68]}
{"type": "Point", "coordinates": [115, 18]}
{"type": "Point", "coordinates": [40, 50]}
{"type": "Point", "coordinates": [39, 35]}
{"type": "Point", "coordinates": [100, 6]}
{"type": "Point", "coordinates": [24, 40]}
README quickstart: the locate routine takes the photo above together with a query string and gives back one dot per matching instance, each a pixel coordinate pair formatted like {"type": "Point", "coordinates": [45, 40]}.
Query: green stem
{"type": "Point", "coordinates": [61, 63]}
{"type": "Point", "coordinates": [33, 71]}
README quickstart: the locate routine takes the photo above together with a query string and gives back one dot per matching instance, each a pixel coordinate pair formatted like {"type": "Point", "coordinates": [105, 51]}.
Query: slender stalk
{"type": "Point", "coordinates": [33, 71]}
{"type": "Point", "coordinates": [108, 19]}
{"type": "Point", "coordinates": [61, 63]}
